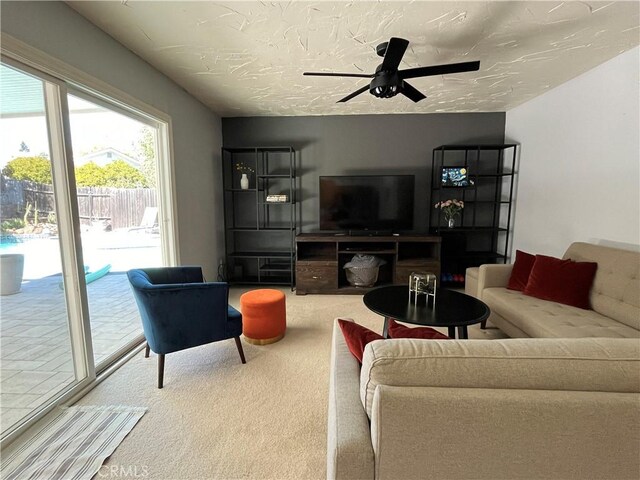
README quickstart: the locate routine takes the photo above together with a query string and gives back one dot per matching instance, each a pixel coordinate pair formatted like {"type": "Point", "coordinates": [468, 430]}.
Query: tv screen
{"type": "Point", "coordinates": [366, 202]}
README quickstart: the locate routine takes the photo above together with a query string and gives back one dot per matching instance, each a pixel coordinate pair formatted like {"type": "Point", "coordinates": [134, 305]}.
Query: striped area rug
{"type": "Point", "coordinates": [73, 445]}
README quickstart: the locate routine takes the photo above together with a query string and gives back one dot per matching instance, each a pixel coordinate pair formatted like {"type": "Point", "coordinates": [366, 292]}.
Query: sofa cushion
{"type": "Point", "coordinates": [616, 286]}
{"type": "Point", "coordinates": [563, 281]}
{"type": "Point", "coordinates": [397, 330]}
{"type": "Point", "coordinates": [538, 364]}
{"type": "Point", "coordinates": [357, 337]}
{"type": "Point", "coordinates": [521, 270]}
{"type": "Point", "coordinates": [545, 319]}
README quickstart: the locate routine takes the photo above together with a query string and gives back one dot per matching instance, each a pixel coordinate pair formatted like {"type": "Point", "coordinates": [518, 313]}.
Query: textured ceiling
{"type": "Point", "coordinates": [247, 58]}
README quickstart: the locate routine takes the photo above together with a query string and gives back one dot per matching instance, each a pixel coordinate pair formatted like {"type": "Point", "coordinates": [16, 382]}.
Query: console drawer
{"type": "Point", "coordinates": [316, 276]}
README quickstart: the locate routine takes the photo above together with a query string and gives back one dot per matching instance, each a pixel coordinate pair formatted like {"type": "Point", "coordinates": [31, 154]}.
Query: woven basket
{"type": "Point", "coordinates": [362, 276]}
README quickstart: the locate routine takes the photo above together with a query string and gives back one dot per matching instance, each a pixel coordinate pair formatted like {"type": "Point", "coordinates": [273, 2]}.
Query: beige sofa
{"type": "Point", "coordinates": [614, 297]}
{"type": "Point", "coordinates": [485, 409]}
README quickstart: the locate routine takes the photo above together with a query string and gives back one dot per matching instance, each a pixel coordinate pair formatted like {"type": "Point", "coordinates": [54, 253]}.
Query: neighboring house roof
{"type": "Point", "coordinates": [105, 156]}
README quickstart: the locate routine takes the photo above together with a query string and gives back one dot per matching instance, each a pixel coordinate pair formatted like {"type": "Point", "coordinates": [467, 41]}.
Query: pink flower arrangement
{"type": "Point", "coordinates": [451, 207]}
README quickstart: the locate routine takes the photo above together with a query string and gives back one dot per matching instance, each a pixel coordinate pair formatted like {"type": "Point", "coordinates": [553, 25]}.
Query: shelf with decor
{"type": "Point", "coordinates": [482, 177]}
{"type": "Point", "coordinates": [251, 223]}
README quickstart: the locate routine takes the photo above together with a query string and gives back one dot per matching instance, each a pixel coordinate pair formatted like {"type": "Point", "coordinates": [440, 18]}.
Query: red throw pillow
{"type": "Point", "coordinates": [521, 270]}
{"type": "Point", "coordinates": [357, 337]}
{"type": "Point", "coordinates": [400, 331]}
{"type": "Point", "coordinates": [562, 281]}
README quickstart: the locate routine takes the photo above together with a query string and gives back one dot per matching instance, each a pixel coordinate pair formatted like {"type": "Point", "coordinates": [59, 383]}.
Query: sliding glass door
{"type": "Point", "coordinates": [81, 203]}
{"type": "Point", "coordinates": [115, 167]}
{"type": "Point", "coordinates": [37, 361]}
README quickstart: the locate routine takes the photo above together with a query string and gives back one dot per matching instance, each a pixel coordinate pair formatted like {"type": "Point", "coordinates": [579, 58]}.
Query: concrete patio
{"type": "Point", "coordinates": [35, 348]}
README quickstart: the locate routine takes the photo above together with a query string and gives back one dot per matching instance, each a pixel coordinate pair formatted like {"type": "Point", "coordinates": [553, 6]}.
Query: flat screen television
{"type": "Point", "coordinates": [367, 202]}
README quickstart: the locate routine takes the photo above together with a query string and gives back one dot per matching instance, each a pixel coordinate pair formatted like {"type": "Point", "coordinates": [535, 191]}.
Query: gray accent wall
{"type": "Point", "coordinates": [61, 32]}
{"type": "Point", "coordinates": [364, 144]}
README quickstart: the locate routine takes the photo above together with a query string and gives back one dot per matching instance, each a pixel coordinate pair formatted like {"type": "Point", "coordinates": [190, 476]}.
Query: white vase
{"type": "Point", "coordinates": [244, 182]}
{"type": "Point", "coordinates": [451, 222]}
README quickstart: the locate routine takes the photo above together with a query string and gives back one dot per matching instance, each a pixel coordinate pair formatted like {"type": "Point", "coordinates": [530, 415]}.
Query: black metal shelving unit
{"type": "Point", "coordinates": [260, 234]}
{"type": "Point", "coordinates": [483, 229]}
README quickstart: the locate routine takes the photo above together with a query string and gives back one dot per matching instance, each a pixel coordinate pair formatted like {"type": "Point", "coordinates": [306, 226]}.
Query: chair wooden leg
{"type": "Point", "coordinates": [240, 351]}
{"type": "Point", "coordinates": [483, 324]}
{"type": "Point", "coordinates": [160, 369]}
{"type": "Point", "coordinates": [146, 350]}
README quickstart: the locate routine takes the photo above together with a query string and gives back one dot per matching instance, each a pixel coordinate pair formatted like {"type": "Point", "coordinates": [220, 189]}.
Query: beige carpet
{"type": "Point", "coordinates": [217, 418]}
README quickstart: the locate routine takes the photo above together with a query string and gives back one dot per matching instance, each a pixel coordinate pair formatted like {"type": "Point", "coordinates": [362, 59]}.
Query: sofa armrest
{"type": "Point", "coordinates": [493, 275]}
{"type": "Point", "coordinates": [349, 449]}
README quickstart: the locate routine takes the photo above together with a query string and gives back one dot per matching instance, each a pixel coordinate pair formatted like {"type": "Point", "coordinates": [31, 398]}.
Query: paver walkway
{"type": "Point", "coordinates": [35, 349]}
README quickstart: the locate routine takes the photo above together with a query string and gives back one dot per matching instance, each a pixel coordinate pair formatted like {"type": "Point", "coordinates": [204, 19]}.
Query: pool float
{"type": "Point", "coordinates": [92, 276]}
{"type": "Point", "coordinates": [101, 272]}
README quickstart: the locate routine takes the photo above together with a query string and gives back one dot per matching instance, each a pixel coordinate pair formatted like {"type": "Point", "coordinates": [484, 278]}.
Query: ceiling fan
{"type": "Point", "coordinates": [388, 81]}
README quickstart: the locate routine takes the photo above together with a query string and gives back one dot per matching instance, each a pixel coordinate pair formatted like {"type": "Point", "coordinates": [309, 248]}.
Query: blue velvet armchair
{"type": "Point", "coordinates": [179, 311]}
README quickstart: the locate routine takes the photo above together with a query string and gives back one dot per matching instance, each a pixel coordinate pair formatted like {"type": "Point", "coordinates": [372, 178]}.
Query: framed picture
{"type": "Point", "coordinates": [455, 177]}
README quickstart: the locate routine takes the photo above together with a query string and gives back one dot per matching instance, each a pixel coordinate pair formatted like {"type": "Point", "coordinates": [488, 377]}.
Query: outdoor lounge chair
{"type": "Point", "coordinates": [179, 311]}
{"type": "Point", "coordinates": [149, 221]}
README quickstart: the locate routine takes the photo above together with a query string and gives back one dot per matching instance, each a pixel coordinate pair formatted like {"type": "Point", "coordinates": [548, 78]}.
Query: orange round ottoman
{"type": "Point", "coordinates": [264, 316]}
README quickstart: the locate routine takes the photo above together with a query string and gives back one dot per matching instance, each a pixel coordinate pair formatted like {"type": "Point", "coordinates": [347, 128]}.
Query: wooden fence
{"type": "Point", "coordinates": [119, 207]}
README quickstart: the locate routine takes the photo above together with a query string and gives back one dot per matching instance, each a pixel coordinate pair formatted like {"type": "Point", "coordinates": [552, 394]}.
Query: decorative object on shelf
{"type": "Point", "coordinates": [277, 198]}
{"type": "Point", "coordinates": [244, 182]}
{"type": "Point", "coordinates": [455, 177]}
{"type": "Point", "coordinates": [452, 278]}
{"type": "Point", "coordinates": [422, 288]}
{"type": "Point", "coordinates": [451, 209]}
{"type": "Point", "coordinates": [244, 170]}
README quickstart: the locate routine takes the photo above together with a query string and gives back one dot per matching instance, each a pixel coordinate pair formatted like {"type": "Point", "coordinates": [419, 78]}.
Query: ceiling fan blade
{"type": "Point", "coordinates": [439, 70]}
{"type": "Point", "coordinates": [411, 92]}
{"type": "Point", "coordinates": [326, 74]}
{"type": "Point", "coordinates": [395, 52]}
{"type": "Point", "coordinates": [354, 94]}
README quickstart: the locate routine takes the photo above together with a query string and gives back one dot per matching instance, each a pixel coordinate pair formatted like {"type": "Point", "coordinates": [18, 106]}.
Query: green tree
{"type": "Point", "coordinates": [122, 175]}
{"type": "Point", "coordinates": [147, 150]}
{"type": "Point", "coordinates": [90, 175]}
{"type": "Point", "coordinates": [35, 169]}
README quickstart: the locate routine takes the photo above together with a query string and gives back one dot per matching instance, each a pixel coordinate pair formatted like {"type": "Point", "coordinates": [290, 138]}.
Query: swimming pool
{"type": "Point", "coordinates": [123, 250]}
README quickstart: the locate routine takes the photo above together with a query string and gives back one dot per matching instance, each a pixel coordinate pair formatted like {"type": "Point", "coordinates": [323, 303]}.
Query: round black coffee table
{"type": "Point", "coordinates": [453, 309]}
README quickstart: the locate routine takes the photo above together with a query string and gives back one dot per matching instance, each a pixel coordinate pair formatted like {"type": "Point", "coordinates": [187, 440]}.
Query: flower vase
{"type": "Point", "coordinates": [451, 222]}
{"type": "Point", "coordinates": [244, 182]}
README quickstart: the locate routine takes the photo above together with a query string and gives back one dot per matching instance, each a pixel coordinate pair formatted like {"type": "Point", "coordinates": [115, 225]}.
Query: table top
{"type": "Point", "coordinates": [452, 309]}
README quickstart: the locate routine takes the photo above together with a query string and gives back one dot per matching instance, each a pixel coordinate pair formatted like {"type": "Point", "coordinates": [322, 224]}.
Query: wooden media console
{"type": "Point", "coordinates": [320, 259]}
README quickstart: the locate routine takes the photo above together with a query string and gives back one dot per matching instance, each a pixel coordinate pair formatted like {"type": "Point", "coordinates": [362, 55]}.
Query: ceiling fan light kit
{"type": "Point", "coordinates": [388, 81]}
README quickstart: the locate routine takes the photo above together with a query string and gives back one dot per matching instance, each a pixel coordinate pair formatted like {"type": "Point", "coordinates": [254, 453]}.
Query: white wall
{"type": "Point", "coordinates": [59, 31]}
{"type": "Point", "coordinates": [579, 176]}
